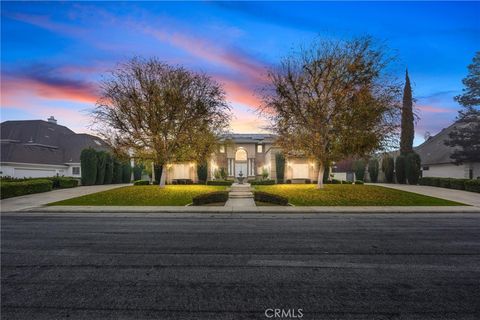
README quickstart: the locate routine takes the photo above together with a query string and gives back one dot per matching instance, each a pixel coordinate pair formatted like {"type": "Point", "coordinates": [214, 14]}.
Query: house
{"type": "Point", "coordinates": [37, 148]}
{"type": "Point", "coordinates": [436, 161]}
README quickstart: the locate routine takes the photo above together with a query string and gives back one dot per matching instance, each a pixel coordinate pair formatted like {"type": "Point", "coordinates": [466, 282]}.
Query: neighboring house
{"type": "Point", "coordinates": [37, 148]}
{"type": "Point", "coordinates": [436, 161]}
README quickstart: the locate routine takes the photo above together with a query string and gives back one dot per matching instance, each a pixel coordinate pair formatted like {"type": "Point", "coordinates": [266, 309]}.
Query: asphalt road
{"type": "Point", "coordinates": [344, 266]}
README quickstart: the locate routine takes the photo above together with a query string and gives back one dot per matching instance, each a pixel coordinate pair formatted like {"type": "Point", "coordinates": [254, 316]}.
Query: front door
{"type": "Point", "coordinates": [241, 167]}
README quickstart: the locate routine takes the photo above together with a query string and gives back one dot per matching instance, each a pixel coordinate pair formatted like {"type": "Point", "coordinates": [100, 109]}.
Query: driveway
{"type": "Point", "coordinates": [39, 199]}
{"type": "Point", "coordinates": [466, 197]}
{"type": "Point", "coordinates": [332, 266]}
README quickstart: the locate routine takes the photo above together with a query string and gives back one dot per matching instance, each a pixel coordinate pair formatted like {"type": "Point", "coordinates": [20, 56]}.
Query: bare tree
{"type": "Point", "coordinates": [160, 111]}
{"type": "Point", "coordinates": [333, 100]}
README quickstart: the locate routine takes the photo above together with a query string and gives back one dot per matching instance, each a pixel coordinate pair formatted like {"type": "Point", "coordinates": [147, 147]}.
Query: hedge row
{"type": "Point", "coordinates": [219, 182]}
{"type": "Point", "coordinates": [141, 183]}
{"type": "Point", "coordinates": [451, 183]}
{"type": "Point", "coordinates": [270, 198]}
{"type": "Point", "coordinates": [261, 182]}
{"type": "Point", "coordinates": [212, 197]}
{"type": "Point", "coordinates": [100, 167]}
{"type": "Point", "coordinates": [20, 188]}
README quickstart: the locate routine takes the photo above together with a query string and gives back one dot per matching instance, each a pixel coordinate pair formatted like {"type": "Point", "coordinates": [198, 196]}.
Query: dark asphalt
{"type": "Point", "coordinates": [346, 266]}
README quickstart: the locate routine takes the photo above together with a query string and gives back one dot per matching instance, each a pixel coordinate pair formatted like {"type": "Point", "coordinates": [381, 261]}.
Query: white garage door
{"type": "Point", "coordinates": [181, 171]}
{"type": "Point", "coordinates": [300, 171]}
{"type": "Point", "coordinates": [33, 173]}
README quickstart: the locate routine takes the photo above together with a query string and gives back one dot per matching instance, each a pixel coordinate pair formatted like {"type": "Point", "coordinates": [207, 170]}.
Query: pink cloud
{"type": "Point", "coordinates": [433, 109]}
{"type": "Point", "coordinates": [45, 23]}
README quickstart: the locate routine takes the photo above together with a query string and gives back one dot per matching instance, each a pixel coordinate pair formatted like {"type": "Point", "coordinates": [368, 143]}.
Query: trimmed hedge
{"type": "Point", "coordinates": [64, 183]}
{"type": "Point", "coordinates": [346, 182]}
{"type": "Point", "coordinates": [182, 181]}
{"type": "Point", "coordinates": [270, 198]}
{"type": "Point", "coordinates": [472, 185]}
{"type": "Point", "coordinates": [400, 164]}
{"type": "Point", "coordinates": [373, 170]}
{"type": "Point", "coordinates": [219, 182]}
{"type": "Point", "coordinates": [126, 172]}
{"type": "Point", "coordinates": [117, 172]}
{"type": "Point", "coordinates": [15, 189]}
{"type": "Point", "coordinates": [108, 169]}
{"type": "Point", "coordinates": [262, 182]}
{"type": "Point", "coordinates": [88, 163]}
{"type": "Point", "coordinates": [202, 172]}
{"type": "Point", "coordinates": [141, 183]}
{"type": "Point", "coordinates": [280, 165]}
{"type": "Point", "coordinates": [359, 182]}
{"type": "Point", "coordinates": [212, 197]}
{"type": "Point", "coordinates": [388, 168]}
{"type": "Point", "coordinates": [412, 168]}
{"type": "Point", "coordinates": [359, 168]}
{"type": "Point", "coordinates": [336, 181]}
{"type": "Point", "coordinates": [101, 165]}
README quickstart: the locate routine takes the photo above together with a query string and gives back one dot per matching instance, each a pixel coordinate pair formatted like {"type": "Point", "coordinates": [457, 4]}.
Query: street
{"type": "Point", "coordinates": [154, 266]}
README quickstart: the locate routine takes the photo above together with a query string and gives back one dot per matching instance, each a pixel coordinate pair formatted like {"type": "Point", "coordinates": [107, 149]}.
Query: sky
{"type": "Point", "coordinates": [54, 54]}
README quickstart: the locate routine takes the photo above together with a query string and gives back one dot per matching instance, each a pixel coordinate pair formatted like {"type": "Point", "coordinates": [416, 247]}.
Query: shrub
{"type": "Point", "coordinates": [336, 181]}
{"type": "Point", "coordinates": [388, 168]}
{"type": "Point", "coordinates": [326, 173]}
{"type": "Point", "coordinates": [101, 165]}
{"type": "Point", "coordinates": [202, 172]}
{"type": "Point", "coordinates": [373, 170]}
{"type": "Point", "coordinates": [458, 184]}
{"type": "Point", "coordinates": [223, 173]}
{"type": "Point", "coordinates": [451, 183]}
{"type": "Point", "coordinates": [212, 197]}
{"type": "Point", "coordinates": [359, 168]}
{"type": "Point", "coordinates": [23, 187]}
{"type": "Point", "coordinates": [262, 182]}
{"type": "Point", "coordinates": [108, 169]}
{"type": "Point", "coordinates": [346, 182]}
{"type": "Point", "coordinates": [289, 181]}
{"type": "Point", "coordinates": [400, 169]}
{"type": "Point", "coordinates": [126, 172]}
{"type": "Point", "coordinates": [137, 172]}
{"type": "Point", "coordinates": [219, 182]}
{"type": "Point", "coordinates": [88, 163]}
{"type": "Point", "coordinates": [117, 172]}
{"type": "Point", "coordinates": [158, 172]}
{"type": "Point", "coordinates": [182, 181]}
{"type": "Point", "coordinates": [359, 182]}
{"type": "Point", "coordinates": [270, 198]}
{"type": "Point", "coordinates": [280, 165]}
{"type": "Point", "coordinates": [64, 183]}
{"type": "Point", "coordinates": [141, 183]}
{"type": "Point", "coordinates": [412, 168]}
{"type": "Point", "coordinates": [472, 185]}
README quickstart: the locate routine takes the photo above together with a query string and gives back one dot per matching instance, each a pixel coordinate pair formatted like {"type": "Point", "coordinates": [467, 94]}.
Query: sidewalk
{"type": "Point", "coordinates": [466, 197]}
{"type": "Point", "coordinates": [39, 199]}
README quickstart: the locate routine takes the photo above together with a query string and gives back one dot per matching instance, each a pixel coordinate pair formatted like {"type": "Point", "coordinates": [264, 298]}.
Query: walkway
{"type": "Point", "coordinates": [466, 197]}
{"type": "Point", "coordinates": [240, 196]}
{"type": "Point", "coordinates": [40, 199]}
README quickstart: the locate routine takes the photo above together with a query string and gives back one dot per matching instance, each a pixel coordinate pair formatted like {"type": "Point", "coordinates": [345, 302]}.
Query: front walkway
{"type": "Point", "coordinates": [240, 196]}
{"type": "Point", "coordinates": [466, 197]}
{"type": "Point", "coordinates": [40, 199]}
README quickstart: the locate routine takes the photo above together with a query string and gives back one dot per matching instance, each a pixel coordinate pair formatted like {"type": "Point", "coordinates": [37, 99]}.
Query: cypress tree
{"type": "Point", "coordinates": [101, 166]}
{"type": "Point", "coordinates": [280, 165]}
{"type": "Point", "coordinates": [108, 169]}
{"type": "Point", "coordinates": [400, 164]}
{"type": "Point", "coordinates": [373, 170]}
{"type": "Point", "coordinates": [388, 168]}
{"type": "Point", "coordinates": [88, 163]}
{"type": "Point", "coordinates": [407, 133]}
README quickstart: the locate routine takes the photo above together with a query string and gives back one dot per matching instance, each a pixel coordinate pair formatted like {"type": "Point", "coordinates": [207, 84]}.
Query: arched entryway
{"type": "Point", "coordinates": [241, 165]}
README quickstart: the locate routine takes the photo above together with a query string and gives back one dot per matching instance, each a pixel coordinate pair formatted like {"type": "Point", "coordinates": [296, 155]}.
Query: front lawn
{"type": "Point", "coordinates": [351, 195]}
{"type": "Point", "coordinates": [171, 195]}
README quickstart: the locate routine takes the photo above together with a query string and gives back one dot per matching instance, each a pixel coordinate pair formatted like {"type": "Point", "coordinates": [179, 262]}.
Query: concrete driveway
{"type": "Point", "coordinates": [344, 266]}
{"type": "Point", "coordinates": [39, 199]}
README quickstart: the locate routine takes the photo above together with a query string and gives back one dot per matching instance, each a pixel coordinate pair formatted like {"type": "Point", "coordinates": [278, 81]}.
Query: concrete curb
{"type": "Point", "coordinates": [230, 210]}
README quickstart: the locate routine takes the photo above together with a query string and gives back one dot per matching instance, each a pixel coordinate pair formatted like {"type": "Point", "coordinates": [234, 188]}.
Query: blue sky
{"type": "Point", "coordinates": [54, 53]}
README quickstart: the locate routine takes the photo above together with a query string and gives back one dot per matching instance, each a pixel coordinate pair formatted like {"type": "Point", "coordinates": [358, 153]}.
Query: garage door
{"type": "Point", "coordinates": [300, 171]}
{"type": "Point", "coordinates": [33, 173]}
{"type": "Point", "coordinates": [181, 171]}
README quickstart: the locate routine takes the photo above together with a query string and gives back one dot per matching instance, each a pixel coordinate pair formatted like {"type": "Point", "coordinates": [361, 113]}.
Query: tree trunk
{"type": "Point", "coordinates": [321, 169]}
{"type": "Point", "coordinates": [163, 177]}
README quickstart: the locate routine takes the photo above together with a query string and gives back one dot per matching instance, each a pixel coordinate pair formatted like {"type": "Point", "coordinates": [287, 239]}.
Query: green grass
{"type": "Point", "coordinates": [351, 195]}
{"type": "Point", "coordinates": [171, 195]}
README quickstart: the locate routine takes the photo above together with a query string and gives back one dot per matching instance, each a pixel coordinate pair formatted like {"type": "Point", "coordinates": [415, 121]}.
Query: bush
{"type": "Point", "coordinates": [472, 185]}
{"type": "Point", "coordinates": [359, 182]}
{"type": "Point", "coordinates": [101, 165]}
{"type": "Point", "coordinates": [108, 169]}
{"type": "Point", "coordinates": [336, 181]}
{"type": "Point", "coordinates": [346, 182]}
{"type": "Point", "coordinates": [223, 173]}
{"type": "Point", "coordinates": [400, 169]}
{"type": "Point", "coordinates": [126, 172]}
{"type": "Point", "coordinates": [157, 169]}
{"type": "Point", "coordinates": [373, 170]}
{"type": "Point", "coordinates": [359, 168]}
{"type": "Point", "coordinates": [262, 182]}
{"type": "Point", "coordinates": [458, 184]}
{"type": "Point", "coordinates": [137, 172]}
{"type": "Point", "coordinates": [451, 183]}
{"type": "Point", "coordinates": [202, 172]}
{"type": "Point", "coordinates": [182, 181]}
{"type": "Point", "coordinates": [64, 183]}
{"type": "Point", "coordinates": [289, 181]}
{"type": "Point", "coordinates": [117, 172]}
{"type": "Point", "coordinates": [212, 197]}
{"type": "Point", "coordinates": [219, 182]}
{"type": "Point", "coordinates": [141, 183]}
{"type": "Point", "coordinates": [280, 165]}
{"type": "Point", "coordinates": [23, 187]}
{"type": "Point", "coordinates": [270, 198]}
{"type": "Point", "coordinates": [412, 168]}
{"type": "Point", "coordinates": [388, 168]}
{"type": "Point", "coordinates": [88, 163]}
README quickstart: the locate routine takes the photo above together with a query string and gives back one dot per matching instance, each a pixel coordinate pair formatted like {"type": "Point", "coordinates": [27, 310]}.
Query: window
{"type": "Point", "coordinates": [241, 155]}
{"type": "Point", "coordinates": [222, 149]}
{"type": "Point", "coordinates": [259, 148]}
{"type": "Point", "coordinates": [426, 168]}
{"type": "Point", "coordinates": [76, 171]}
{"type": "Point", "coordinates": [300, 171]}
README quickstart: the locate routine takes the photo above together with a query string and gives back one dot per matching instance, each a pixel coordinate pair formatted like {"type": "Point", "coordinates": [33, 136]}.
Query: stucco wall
{"type": "Point", "coordinates": [446, 171]}
{"type": "Point", "coordinates": [33, 170]}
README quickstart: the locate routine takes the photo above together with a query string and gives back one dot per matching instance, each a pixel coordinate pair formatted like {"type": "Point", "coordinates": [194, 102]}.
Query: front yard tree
{"type": "Point", "coordinates": [332, 101]}
{"type": "Point", "coordinates": [407, 131]}
{"type": "Point", "coordinates": [166, 112]}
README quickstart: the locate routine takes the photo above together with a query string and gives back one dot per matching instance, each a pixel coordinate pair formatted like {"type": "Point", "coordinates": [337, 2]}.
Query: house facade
{"type": "Point", "coordinates": [37, 148]}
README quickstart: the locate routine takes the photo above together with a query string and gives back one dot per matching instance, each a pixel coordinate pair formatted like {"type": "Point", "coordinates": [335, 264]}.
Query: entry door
{"type": "Point", "coordinates": [241, 166]}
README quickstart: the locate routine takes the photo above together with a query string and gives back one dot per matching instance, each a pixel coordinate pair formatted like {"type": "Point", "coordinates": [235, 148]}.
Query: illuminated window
{"type": "Point", "coordinates": [241, 155]}
{"type": "Point", "coordinates": [259, 148]}
{"type": "Point", "coordinates": [222, 149]}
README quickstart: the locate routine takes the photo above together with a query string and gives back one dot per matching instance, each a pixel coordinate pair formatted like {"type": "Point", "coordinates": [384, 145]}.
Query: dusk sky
{"type": "Point", "coordinates": [53, 54]}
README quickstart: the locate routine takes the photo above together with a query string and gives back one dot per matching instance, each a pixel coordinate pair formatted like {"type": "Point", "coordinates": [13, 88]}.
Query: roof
{"type": "Point", "coordinates": [434, 151]}
{"type": "Point", "coordinates": [38, 141]}
{"type": "Point", "coordinates": [250, 137]}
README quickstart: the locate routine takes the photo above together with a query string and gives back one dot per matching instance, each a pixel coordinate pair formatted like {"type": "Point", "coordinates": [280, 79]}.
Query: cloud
{"type": "Point", "coordinates": [46, 23]}
{"type": "Point", "coordinates": [424, 109]}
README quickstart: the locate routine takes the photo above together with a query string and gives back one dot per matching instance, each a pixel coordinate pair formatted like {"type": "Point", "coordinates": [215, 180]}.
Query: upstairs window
{"type": "Point", "coordinates": [222, 149]}
{"type": "Point", "coordinates": [259, 148]}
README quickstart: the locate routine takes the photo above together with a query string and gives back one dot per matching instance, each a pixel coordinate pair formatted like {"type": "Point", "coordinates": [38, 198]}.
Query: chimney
{"type": "Point", "coordinates": [52, 120]}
